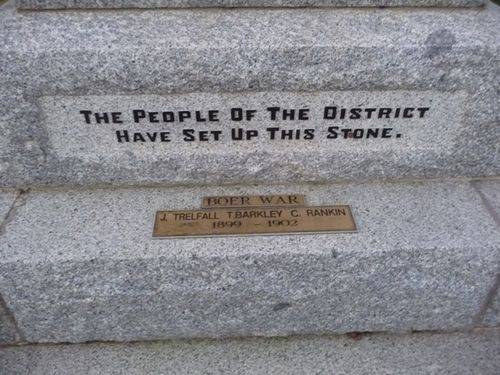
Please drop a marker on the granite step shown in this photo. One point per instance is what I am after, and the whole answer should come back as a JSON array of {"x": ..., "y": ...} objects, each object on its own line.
[
  {"x": 116, "y": 4},
  {"x": 82, "y": 265},
  {"x": 474, "y": 353},
  {"x": 250, "y": 95}
]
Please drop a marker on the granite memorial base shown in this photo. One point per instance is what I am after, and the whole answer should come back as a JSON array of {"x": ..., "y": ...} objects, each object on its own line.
[
  {"x": 117, "y": 4},
  {"x": 82, "y": 265},
  {"x": 468, "y": 353},
  {"x": 146, "y": 151},
  {"x": 247, "y": 95}
]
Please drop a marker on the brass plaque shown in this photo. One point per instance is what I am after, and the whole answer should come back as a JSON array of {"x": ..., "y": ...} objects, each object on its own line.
[
  {"x": 282, "y": 200},
  {"x": 259, "y": 220}
]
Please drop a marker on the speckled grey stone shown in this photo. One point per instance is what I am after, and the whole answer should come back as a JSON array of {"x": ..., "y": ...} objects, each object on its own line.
[
  {"x": 72, "y": 137},
  {"x": 65, "y": 4},
  {"x": 8, "y": 333},
  {"x": 490, "y": 191},
  {"x": 492, "y": 315},
  {"x": 422, "y": 353},
  {"x": 80, "y": 55},
  {"x": 7, "y": 326},
  {"x": 82, "y": 266},
  {"x": 7, "y": 198}
]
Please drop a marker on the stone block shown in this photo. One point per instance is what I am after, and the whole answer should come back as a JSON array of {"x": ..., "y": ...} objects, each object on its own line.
[
  {"x": 100, "y": 4},
  {"x": 410, "y": 94},
  {"x": 82, "y": 265},
  {"x": 423, "y": 353}
]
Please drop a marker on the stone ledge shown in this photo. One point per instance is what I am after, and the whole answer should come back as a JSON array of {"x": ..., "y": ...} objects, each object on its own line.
[
  {"x": 422, "y": 353},
  {"x": 391, "y": 57},
  {"x": 100, "y": 4},
  {"x": 82, "y": 266}
]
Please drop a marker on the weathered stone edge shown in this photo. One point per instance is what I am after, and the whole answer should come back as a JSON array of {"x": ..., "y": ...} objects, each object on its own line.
[
  {"x": 9, "y": 330},
  {"x": 489, "y": 313},
  {"x": 99, "y": 4},
  {"x": 474, "y": 352}
]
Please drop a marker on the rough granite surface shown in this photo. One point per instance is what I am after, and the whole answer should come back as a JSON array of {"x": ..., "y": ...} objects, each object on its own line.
[
  {"x": 490, "y": 190},
  {"x": 77, "y": 54},
  {"x": 492, "y": 316},
  {"x": 82, "y": 265},
  {"x": 8, "y": 333},
  {"x": 7, "y": 326},
  {"x": 65, "y": 4},
  {"x": 7, "y": 198},
  {"x": 491, "y": 193},
  {"x": 471, "y": 353}
]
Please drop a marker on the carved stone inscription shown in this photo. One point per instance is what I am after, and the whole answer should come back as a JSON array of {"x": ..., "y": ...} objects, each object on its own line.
[{"x": 102, "y": 127}]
